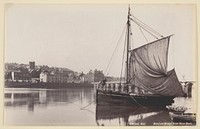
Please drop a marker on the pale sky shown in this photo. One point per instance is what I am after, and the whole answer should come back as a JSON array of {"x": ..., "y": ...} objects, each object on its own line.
[{"x": 83, "y": 37}]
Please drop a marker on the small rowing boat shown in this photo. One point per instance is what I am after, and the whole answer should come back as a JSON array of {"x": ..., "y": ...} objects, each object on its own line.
[
  {"x": 177, "y": 109},
  {"x": 185, "y": 117}
]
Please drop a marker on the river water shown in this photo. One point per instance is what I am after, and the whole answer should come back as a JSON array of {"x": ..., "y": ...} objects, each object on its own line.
[{"x": 77, "y": 107}]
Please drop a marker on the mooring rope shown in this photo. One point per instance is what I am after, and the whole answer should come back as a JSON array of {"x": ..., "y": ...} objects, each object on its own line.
[
  {"x": 87, "y": 105},
  {"x": 137, "y": 102},
  {"x": 72, "y": 102}
]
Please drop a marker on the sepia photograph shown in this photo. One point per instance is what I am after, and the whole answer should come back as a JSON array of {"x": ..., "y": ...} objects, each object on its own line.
[{"x": 100, "y": 65}]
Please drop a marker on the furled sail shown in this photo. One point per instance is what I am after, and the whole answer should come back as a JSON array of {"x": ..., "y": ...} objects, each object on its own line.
[{"x": 148, "y": 69}]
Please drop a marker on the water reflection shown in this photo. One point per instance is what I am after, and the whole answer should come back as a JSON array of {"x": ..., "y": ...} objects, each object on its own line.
[
  {"x": 134, "y": 115},
  {"x": 140, "y": 115},
  {"x": 76, "y": 106},
  {"x": 32, "y": 97}
]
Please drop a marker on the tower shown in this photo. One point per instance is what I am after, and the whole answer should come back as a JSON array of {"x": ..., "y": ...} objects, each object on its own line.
[{"x": 31, "y": 65}]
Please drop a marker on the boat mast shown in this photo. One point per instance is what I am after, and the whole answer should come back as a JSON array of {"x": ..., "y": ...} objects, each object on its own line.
[{"x": 128, "y": 40}]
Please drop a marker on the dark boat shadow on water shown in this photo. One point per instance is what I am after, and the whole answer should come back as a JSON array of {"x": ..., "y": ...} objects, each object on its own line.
[
  {"x": 160, "y": 118},
  {"x": 131, "y": 115}
]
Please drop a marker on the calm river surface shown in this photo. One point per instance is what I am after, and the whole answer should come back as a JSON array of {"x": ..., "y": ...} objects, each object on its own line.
[{"x": 76, "y": 106}]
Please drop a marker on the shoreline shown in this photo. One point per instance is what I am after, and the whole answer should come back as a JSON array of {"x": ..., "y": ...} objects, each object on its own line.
[{"x": 45, "y": 85}]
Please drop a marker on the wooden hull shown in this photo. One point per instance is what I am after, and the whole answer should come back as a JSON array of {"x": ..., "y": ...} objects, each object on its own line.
[{"x": 114, "y": 98}]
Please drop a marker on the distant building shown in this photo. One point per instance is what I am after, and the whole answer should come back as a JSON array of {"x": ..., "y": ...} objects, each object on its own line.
[
  {"x": 187, "y": 88},
  {"x": 17, "y": 73},
  {"x": 81, "y": 77},
  {"x": 31, "y": 73},
  {"x": 115, "y": 79},
  {"x": 95, "y": 76},
  {"x": 75, "y": 78},
  {"x": 45, "y": 76},
  {"x": 35, "y": 75},
  {"x": 18, "y": 76},
  {"x": 31, "y": 65},
  {"x": 7, "y": 75}
]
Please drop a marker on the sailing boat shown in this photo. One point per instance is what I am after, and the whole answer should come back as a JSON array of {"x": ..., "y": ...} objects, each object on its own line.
[{"x": 147, "y": 80}]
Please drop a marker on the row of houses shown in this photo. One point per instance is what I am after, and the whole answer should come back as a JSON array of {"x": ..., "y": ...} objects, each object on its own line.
[
  {"x": 38, "y": 75},
  {"x": 22, "y": 76},
  {"x": 93, "y": 76},
  {"x": 90, "y": 77},
  {"x": 45, "y": 76}
]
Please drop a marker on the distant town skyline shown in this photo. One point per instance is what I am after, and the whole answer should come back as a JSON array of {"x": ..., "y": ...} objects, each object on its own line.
[{"x": 83, "y": 37}]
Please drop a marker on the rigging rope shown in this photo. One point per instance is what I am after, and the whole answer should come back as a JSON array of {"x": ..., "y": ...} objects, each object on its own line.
[
  {"x": 123, "y": 59},
  {"x": 143, "y": 27},
  {"x": 114, "y": 52},
  {"x": 172, "y": 44},
  {"x": 131, "y": 37},
  {"x": 143, "y": 34},
  {"x": 151, "y": 29}
]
